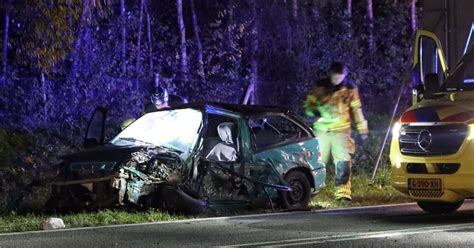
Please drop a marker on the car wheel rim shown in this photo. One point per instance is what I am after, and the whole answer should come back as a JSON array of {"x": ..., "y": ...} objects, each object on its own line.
[{"x": 297, "y": 192}]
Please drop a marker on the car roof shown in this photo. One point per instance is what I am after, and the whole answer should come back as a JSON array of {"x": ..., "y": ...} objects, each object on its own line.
[{"x": 241, "y": 109}]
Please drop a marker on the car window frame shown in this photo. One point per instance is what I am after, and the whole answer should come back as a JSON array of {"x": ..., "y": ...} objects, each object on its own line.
[{"x": 292, "y": 119}]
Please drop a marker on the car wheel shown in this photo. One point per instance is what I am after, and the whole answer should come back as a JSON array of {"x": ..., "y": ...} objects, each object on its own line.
[
  {"x": 299, "y": 196},
  {"x": 439, "y": 207}
]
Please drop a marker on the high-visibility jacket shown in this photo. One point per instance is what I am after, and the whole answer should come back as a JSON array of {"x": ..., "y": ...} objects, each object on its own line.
[{"x": 338, "y": 106}]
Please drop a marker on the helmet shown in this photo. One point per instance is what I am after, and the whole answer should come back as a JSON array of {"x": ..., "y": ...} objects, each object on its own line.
[{"x": 159, "y": 96}]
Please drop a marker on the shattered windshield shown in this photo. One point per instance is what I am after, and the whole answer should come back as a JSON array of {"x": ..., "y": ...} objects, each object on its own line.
[{"x": 175, "y": 129}]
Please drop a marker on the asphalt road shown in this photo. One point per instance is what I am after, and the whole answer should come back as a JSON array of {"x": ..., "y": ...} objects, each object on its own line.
[{"x": 382, "y": 226}]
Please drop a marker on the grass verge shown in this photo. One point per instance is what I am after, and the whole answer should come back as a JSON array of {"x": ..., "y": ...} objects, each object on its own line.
[
  {"x": 32, "y": 222},
  {"x": 363, "y": 195}
]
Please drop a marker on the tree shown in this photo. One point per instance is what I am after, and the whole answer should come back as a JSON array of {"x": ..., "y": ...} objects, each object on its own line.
[
  {"x": 234, "y": 53},
  {"x": 149, "y": 38},
  {"x": 294, "y": 12},
  {"x": 250, "y": 95},
  {"x": 349, "y": 8},
  {"x": 84, "y": 22},
  {"x": 85, "y": 12},
  {"x": 139, "y": 38},
  {"x": 197, "y": 39},
  {"x": 413, "y": 15},
  {"x": 182, "y": 35},
  {"x": 349, "y": 18},
  {"x": 124, "y": 37},
  {"x": 5, "y": 43},
  {"x": 370, "y": 19},
  {"x": 47, "y": 38}
]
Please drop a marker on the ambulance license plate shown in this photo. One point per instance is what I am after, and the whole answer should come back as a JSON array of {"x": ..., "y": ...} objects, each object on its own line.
[{"x": 424, "y": 184}]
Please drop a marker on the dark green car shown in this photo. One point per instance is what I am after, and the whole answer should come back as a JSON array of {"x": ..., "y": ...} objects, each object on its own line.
[{"x": 195, "y": 158}]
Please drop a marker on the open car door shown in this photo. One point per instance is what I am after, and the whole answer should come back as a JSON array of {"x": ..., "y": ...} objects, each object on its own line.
[
  {"x": 95, "y": 129},
  {"x": 429, "y": 66}
]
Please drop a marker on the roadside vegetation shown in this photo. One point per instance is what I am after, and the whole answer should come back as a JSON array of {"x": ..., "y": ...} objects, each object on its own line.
[
  {"x": 363, "y": 192},
  {"x": 32, "y": 222}
]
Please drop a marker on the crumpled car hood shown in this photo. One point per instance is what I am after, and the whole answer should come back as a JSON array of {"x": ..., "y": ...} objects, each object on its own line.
[
  {"x": 105, "y": 153},
  {"x": 117, "y": 154}
]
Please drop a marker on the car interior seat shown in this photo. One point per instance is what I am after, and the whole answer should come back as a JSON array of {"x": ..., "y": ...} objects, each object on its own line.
[{"x": 226, "y": 133}]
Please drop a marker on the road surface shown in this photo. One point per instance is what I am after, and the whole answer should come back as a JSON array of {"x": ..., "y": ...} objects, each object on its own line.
[{"x": 402, "y": 225}]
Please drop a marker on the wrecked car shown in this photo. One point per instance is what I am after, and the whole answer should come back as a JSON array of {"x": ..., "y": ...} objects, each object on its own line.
[{"x": 195, "y": 158}]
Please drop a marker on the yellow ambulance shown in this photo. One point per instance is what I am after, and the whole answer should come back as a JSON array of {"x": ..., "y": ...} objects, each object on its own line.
[{"x": 432, "y": 148}]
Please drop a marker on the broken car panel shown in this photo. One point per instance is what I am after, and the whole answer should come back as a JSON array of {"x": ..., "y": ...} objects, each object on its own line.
[{"x": 195, "y": 158}]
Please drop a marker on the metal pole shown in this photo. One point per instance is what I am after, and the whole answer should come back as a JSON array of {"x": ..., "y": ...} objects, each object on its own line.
[
  {"x": 446, "y": 31},
  {"x": 372, "y": 180}
]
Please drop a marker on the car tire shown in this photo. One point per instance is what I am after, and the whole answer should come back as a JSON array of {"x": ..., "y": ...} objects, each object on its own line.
[
  {"x": 300, "y": 194},
  {"x": 439, "y": 207}
]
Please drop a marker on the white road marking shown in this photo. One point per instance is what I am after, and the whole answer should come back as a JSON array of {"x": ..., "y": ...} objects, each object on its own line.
[
  {"x": 215, "y": 218},
  {"x": 355, "y": 236}
]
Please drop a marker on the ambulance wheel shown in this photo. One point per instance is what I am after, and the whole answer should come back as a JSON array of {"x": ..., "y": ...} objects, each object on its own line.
[{"x": 433, "y": 207}]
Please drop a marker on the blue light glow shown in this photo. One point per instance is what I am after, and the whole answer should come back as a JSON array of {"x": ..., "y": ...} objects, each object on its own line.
[
  {"x": 468, "y": 41},
  {"x": 469, "y": 81}
]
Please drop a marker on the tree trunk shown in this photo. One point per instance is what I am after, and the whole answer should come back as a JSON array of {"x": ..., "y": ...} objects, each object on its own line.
[
  {"x": 123, "y": 34},
  {"x": 182, "y": 35},
  {"x": 252, "y": 97},
  {"x": 149, "y": 38},
  {"x": 294, "y": 9},
  {"x": 45, "y": 99},
  {"x": 231, "y": 44},
  {"x": 69, "y": 19},
  {"x": 349, "y": 8},
  {"x": 201, "y": 72},
  {"x": 139, "y": 39},
  {"x": 349, "y": 18},
  {"x": 5, "y": 44},
  {"x": 370, "y": 17},
  {"x": 230, "y": 20},
  {"x": 83, "y": 23},
  {"x": 413, "y": 15}
]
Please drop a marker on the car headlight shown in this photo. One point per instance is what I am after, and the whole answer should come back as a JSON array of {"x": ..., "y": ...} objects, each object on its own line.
[
  {"x": 470, "y": 135},
  {"x": 396, "y": 130}
]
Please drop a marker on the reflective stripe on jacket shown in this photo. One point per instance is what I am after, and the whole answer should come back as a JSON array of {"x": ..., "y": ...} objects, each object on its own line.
[{"x": 335, "y": 104}]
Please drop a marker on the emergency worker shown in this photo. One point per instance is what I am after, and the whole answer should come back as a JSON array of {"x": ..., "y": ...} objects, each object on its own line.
[
  {"x": 161, "y": 99},
  {"x": 335, "y": 101}
]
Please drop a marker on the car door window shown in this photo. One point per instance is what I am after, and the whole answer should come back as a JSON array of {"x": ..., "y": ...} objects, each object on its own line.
[
  {"x": 271, "y": 130},
  {"x": 429, "y": 59}
]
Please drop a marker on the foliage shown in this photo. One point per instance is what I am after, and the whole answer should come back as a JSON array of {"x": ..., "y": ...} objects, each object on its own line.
[
  {"x": 46, "y": 37},
  {"x": 292, "y": 54},
  {"x": 9, "y": 144}
]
